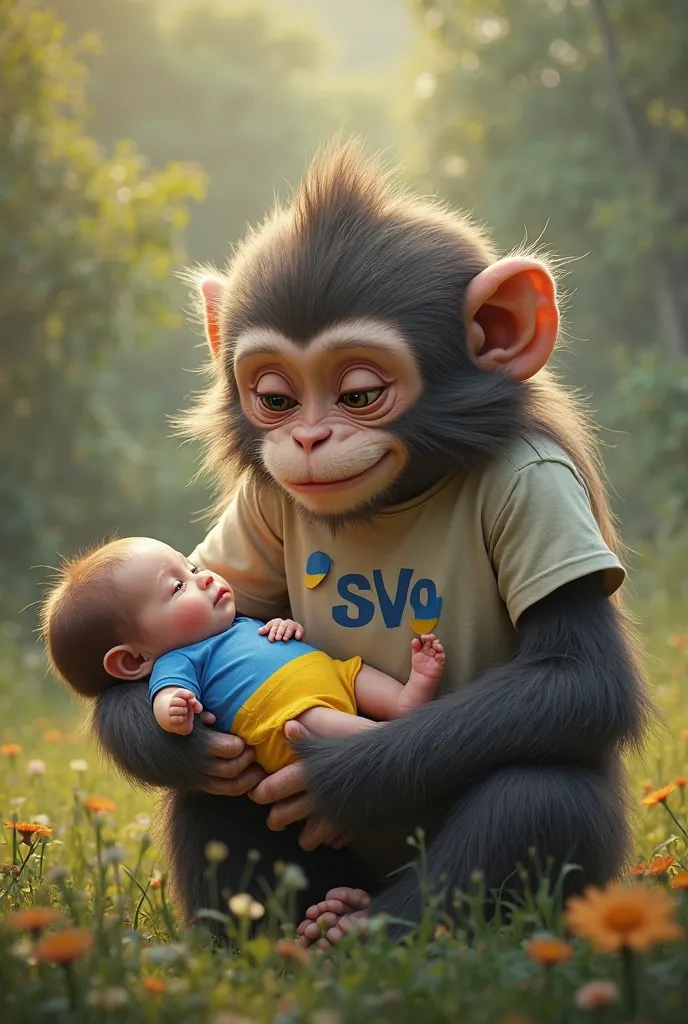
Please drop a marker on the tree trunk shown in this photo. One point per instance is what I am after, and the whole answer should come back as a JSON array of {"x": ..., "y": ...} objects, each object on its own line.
[{"x": 667, "y": 303}]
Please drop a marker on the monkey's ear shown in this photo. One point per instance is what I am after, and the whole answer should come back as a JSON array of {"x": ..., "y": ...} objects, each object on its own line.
[
  {"x": 123, "y": 663},
  {"x": 211, "y": 290},
  {"x": 511, "y": 317}
]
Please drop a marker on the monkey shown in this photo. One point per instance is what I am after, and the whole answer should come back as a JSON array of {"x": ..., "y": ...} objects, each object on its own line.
[{"x": 395, "y": 452}]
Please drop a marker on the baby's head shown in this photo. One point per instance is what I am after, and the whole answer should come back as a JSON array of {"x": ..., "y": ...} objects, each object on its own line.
[{"x": 121, "y": 606}]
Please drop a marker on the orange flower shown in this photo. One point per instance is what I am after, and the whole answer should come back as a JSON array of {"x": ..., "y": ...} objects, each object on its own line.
[
  {"x": 660, "y": 865},
  {"x": 515, "y": 1018},
  {"x": 155, "y": 883},
  {"x": 63, "y": 947},
  {"x": 617, "y": 917},
  {"x": 549, "y": 952},
  {"x": 638, "y": 870},
  {"x": 681, "y": 781},
  {"x": 647, "y": 786},
  {"x": 11, "y": 749},
  {"x": 52, "y": 736},
  {"x": 99, "y": 804},
  {"x": 680, "y": 880},
  {"x": 684, "y": 734},
  {"x": 679, "y": 640},
  {"x": 155, "y": 985},
  {"x": 659, "y": 796},
  {"x": 292, "y": 951},
  {"x": 33, "y": 919},
  {"x": 28, "y": 829}
]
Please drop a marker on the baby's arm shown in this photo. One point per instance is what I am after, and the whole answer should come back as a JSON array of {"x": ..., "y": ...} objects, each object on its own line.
[{"x": 174, "y": 709}]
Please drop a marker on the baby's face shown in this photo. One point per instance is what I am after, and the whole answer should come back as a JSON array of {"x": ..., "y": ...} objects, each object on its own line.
[{"x": 177, "y": 604}]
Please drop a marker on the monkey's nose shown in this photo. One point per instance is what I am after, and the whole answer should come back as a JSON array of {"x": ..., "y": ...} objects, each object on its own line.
[{"x": 309, "y": 438}]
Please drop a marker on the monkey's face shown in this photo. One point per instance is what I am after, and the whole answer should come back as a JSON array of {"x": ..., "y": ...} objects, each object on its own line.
[{"x": 324, "y": 410}]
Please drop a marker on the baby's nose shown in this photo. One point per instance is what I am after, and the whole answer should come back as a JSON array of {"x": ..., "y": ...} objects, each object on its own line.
[{"x": 205, "y": 579}]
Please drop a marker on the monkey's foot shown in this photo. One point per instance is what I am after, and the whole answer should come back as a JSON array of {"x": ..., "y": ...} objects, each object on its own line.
[
  {"x": 427, "y": 668},
  {"x": 328, "y": 921}
]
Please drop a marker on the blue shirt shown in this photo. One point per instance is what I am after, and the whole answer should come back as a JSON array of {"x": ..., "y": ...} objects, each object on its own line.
[{"x": 225, "y": 670}]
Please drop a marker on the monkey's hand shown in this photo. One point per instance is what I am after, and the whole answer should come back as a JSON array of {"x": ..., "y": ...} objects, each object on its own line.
[{"x": 282, "y": 629}]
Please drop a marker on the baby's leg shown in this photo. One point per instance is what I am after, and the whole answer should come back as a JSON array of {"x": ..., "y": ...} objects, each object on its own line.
[
  {"x": 383, "y": 697},
  {"x": 328, "y": 722}
]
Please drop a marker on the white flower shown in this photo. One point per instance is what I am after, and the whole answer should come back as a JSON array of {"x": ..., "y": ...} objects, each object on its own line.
[
  {"x": 244, "y": 905},
  {"x": 143, "y": 820},
  {"x": 41, "y": 819},
  {"x": 36, "y": 767},
  {"x": 596, "y": 995},
  {"x": 78, "y": 765},
  {"x": 293, "y": 878},
  {"x": 216, "y": 852}
]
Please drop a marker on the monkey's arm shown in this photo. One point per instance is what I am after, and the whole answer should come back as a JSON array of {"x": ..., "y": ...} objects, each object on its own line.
[
  {"x": 128, "y": 734},
  {"x": 572, "y": 692}
]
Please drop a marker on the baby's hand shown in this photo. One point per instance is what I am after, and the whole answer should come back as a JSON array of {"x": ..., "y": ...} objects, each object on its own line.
[
  {"x": 181, "y": 708},
  {"x": 282, "y": 629}
]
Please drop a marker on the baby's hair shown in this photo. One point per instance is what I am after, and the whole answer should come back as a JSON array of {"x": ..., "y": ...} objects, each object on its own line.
[{"x": 85, "y": 614}]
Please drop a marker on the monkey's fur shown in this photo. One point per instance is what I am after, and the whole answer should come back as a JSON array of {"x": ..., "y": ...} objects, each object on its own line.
[{"x": 526, "y": 756}]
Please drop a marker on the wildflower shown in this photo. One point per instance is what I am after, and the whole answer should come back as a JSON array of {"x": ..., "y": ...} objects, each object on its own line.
[
  {"x": 679, "y": 640},
  {"x": 596, "y": 995},
  {"x": 684, "y": 734},
  {"x": 660, "y": 865},
  {"x": 617, "y": 917},
  {"x": 36, "y": 767},
  {"x": 647, "y": 786},
  {"x": 155, "y": 883},
  {"x": 42, "y": 819},
  {"x": 549, "y": 952},
  {"x": 293, "y": 878},
  {"x": 515, "y": 1018},
  {"x": 680, "y": 880},
  {"x": 154, "y": 985},
  {"x": 292, "y": 951},
  {"x": 34, "y": 919},
  {"x": 681, "y": 781},
  {"x": 216, "y": 852},
  {"x": 29, "y": 829},
  {"x": 243, "y": 905},
  {"x": 114, "y": 855},
  {"x": 63, "y": 947},
  {"x": 659, "y": 796},
  {"x": 99, "y": 804},
  {"x": 52, "y": 736},
  {"x": 638, "y": 871},
  {"x": 78, "y": 765},
  {"x": 11, "y": 749}
]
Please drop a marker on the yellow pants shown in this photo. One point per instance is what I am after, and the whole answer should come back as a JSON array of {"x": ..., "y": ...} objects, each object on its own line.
[{"x": 314, "y": 680}]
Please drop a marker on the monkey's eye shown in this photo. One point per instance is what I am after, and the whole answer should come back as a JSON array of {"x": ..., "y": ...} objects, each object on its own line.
[
  {"x": 360, "y": 399},
  {"x": 277, "y": 403}
]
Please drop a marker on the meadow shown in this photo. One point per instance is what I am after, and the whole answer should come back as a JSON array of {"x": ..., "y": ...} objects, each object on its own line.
[{"x": 87, "y": 929}]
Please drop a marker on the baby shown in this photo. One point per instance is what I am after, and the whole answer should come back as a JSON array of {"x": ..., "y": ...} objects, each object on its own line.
[{"x": 136, "y": 608}]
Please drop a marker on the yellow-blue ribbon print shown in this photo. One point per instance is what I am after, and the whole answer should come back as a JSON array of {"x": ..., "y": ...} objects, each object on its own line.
[
  {"x": 317, "y": 567},
  {"x": 426, "y": 613}
]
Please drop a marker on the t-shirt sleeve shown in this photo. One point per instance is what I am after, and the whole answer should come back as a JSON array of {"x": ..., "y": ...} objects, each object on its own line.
[
  {"x": 246, "y": 548},
  {"x": 173, "y": 669},
  {"x": 544, "y": 534}
]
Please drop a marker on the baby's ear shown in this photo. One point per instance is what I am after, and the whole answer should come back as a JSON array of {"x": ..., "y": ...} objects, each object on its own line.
[{"x": 123, "y": 663}]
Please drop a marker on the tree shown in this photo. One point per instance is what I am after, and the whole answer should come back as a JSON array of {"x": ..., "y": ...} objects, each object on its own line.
[
  {"x": 87, "y": 247},
  {"x": 568, "y": 117}
]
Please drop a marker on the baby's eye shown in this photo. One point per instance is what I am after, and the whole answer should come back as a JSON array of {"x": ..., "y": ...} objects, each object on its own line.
[
  {"x": 194, "y": 568},
  {"x": 178, "y": 585}
]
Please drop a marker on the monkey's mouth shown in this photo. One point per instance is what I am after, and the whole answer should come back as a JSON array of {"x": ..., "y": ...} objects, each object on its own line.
[{"x": 316, "y": 487}]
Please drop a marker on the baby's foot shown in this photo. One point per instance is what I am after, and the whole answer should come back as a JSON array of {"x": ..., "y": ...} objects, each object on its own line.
[
  {"x": 427, "y": 668},
  {"x": 328, "y": 921}
]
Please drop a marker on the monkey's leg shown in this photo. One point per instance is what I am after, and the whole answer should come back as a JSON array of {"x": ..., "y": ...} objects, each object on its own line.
[
  {"x": 569, "y": 814},
  {"x": 191, "y": 820}
]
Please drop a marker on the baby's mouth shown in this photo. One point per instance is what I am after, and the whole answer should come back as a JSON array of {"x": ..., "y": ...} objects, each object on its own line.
[{"x": 222, "y": 592}]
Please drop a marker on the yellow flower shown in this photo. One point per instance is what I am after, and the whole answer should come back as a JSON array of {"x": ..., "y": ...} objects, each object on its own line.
[
  {"x": 680, "y": 880},
  {"x": 11, "y": 749},
  {"x": 99, "y": 804},
  {"x": 33, "y": 919},
  {"x": 243, "y": 905},
  {"x": 28, "y": 829},
  {"x": 596, "y": 995},
  {"x": 549, "y": 952},
  {"x": 632, "y": 917},
  {"x": 63, "y": 947},
  {"x": 659, "y": 796}
]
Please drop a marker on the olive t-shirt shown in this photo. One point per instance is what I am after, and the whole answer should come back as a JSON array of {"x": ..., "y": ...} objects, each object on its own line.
[{"x": 464, "y": 560}]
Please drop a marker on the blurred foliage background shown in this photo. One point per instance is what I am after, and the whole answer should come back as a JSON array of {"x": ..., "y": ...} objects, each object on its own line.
[{"x": 140, "y": 135}]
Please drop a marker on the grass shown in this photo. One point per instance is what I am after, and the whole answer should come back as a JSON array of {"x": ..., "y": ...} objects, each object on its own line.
[{"x": 124, "y": 957}]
